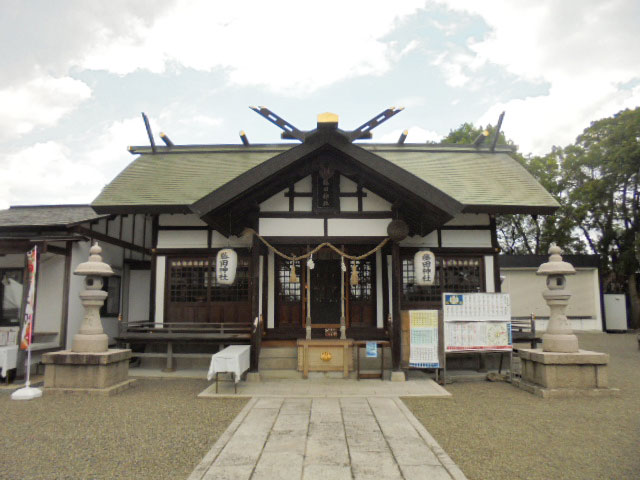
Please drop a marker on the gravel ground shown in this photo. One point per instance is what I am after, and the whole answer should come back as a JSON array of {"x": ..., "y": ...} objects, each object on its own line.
[
  {"x": 495, "y": 431},
  {"x": 156, "y": 430}
]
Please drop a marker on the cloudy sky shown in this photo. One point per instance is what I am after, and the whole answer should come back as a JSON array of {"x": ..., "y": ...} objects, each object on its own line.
[{"x": 77, "y": 73}]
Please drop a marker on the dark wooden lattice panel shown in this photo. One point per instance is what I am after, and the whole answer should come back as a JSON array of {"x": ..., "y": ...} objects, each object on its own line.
[
  {"x": 288, "y": 291},
  {"x": 453, "y": 274},
  {"x": 362, "y": 291},
  {"x": 188, "y": 280}
]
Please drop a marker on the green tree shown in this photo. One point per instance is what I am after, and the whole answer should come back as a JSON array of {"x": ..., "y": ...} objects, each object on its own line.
[
  {"x": 529, "y": 234},
  {"x": 601, "y": 172}
]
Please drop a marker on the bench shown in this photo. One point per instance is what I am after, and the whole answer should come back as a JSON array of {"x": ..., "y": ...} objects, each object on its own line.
[
  {"x": 182, "y": 332},
  {"x": 523, "y": 329}
]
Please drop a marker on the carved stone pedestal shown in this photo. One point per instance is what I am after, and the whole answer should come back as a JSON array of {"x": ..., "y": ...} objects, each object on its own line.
[
  {"x": 101, "y": 373},
  {"x": 556, "y": 374}
]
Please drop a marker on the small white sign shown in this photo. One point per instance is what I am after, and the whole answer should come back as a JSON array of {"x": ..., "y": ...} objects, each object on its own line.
[
  {"x": 226, "y": 265},
  {"x": 424, "y": 265}
]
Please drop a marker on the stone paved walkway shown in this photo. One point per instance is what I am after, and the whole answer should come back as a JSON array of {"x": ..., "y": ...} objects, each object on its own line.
[{"x": 326, "y": 438}]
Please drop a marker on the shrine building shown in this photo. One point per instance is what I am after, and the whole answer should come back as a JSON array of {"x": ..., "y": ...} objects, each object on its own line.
[{"x": 165, "y": 217}]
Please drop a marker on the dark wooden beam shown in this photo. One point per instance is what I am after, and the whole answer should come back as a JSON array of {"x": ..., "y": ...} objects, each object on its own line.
[
  {"x": 149, "y": 134},
  {"x": 111, "y": 240},
  {"x": 154, "y": 268},
  {"x": 64, "y": 315},
  {"x": 396, "y": 333}
]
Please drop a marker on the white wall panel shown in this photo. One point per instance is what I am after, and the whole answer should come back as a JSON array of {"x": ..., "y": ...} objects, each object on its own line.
[
  {"x": 348, "y": 204},
  {"x": 220, "y": 241},
  {"x": 349, "y": 227},
  {"x": 302, "y": 204},
  {"x": 304, "y": 185},
  {"x": 466, "y": 238},
  {"x": 374, "y": 203},
  {"x": 489, "y": 277},
  {"x": 49, "y": 300},
  {"x": 161, "y": 265},
  {"x": 347, "y": 185},
  {"x": 182, "y": 239},
  {"x": 277, "y": 203},
  {"x": 179, "y": 220},
  {"x": 526, "y": 290},
  {"x": 291, "y": 227},
  {"x": 430, "y": 240}
]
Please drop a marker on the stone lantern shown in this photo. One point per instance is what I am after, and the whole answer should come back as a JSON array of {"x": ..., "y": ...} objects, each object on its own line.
[
  {"x": 560, "y": 368},
  {"x": 90, "y": 366},
  {"x": 559, "y": 336},
  {"x": 91, "y": 337}
]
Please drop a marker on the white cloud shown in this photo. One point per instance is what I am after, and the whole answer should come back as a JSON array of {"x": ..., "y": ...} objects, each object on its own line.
[
  {"x": 301, "y": 48},
  {"x": 581, "y": 49},
  {"x": 52, "y": 173},
  {"x": 39, "y": 103}
]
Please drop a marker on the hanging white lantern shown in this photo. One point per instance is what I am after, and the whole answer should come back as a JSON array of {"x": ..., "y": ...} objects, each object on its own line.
[
  {"x": 424, "y": 264},
  {"x": 226, "y": 266}
]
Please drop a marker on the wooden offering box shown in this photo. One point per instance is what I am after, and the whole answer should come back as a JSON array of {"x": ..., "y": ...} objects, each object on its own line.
[{"x": 325, "y": 355}]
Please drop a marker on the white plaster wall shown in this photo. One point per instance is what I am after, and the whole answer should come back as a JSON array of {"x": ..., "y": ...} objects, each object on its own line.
[
  {"x": 347, "y": 185},
  {"x": 277, "y": 203},
  {"x": 466, "y": 238},
  {"x": 220, "y": 241},
  {"x": 374, "y": 203},
  {"x": 489, "y": 277},
  {"x": 182, "y": 239},
  {"x": 348, "y": 204},
  {"x": 49, "y": 288},
  {"x": 345, "y": 227},
  {"x": 139, "y": 287},
  {"x": 12, "y": 260},
  {"x": 161, "y": 263},
  {"x": 302, "y": 204},
  {"x": 304, "y": 185},
  {"x": 526, "y": 290},
  {"x": 467, "y": 219},
  {"x": 180, "y": 220},
  {"x": 294, "y": 227},
  {"x": 430, "y": 240},
  {"x": 79, "y": 254}
]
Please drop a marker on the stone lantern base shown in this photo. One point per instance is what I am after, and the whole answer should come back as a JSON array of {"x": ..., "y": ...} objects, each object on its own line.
[
  {"x": 554, "y": 374},
  {"x": 102, "y": 373}
]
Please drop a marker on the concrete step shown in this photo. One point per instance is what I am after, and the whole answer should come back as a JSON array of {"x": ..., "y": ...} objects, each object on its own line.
[
  {"x": 290, "y": 374},
  {"x": 278, "y": 352},
  {"x": 279, "y": 363}
]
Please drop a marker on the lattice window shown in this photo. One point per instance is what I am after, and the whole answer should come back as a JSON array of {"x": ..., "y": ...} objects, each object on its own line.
[
  {"x": 288, "y": 291},
  {"x": 239, "y": 291},
  {"x": 453, "y": 274},
  {"x": 362, "y": 291},
  {"x": 189, "y": 279}
]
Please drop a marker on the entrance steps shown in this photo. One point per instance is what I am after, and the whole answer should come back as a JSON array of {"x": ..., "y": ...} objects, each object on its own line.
[{"x": 282, "y": 363}]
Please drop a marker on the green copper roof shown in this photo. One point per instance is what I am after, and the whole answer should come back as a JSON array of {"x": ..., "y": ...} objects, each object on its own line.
[
  {"x": 183, "y": 175},
  {"x": 472, "y": 178}
]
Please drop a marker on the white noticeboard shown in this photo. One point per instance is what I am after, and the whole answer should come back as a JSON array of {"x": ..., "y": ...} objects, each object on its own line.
[
  {"x": 477, "y": 322},
  {"x": 423, "y": 329}
]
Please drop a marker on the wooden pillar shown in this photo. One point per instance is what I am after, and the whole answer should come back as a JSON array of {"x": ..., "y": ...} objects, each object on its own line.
[
  {"x": 64, "y": 320},
  {"x": 255, "y": 304},
  {"x": 152, "y": 273},
  {"x": 396, "y": 337}
]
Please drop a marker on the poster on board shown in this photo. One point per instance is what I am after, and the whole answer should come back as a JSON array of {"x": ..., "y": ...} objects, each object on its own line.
[
  {"x": 477, "y": 322},
  {"x": 423, "y": 339},
  {"x": 476, "y": 307}
]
